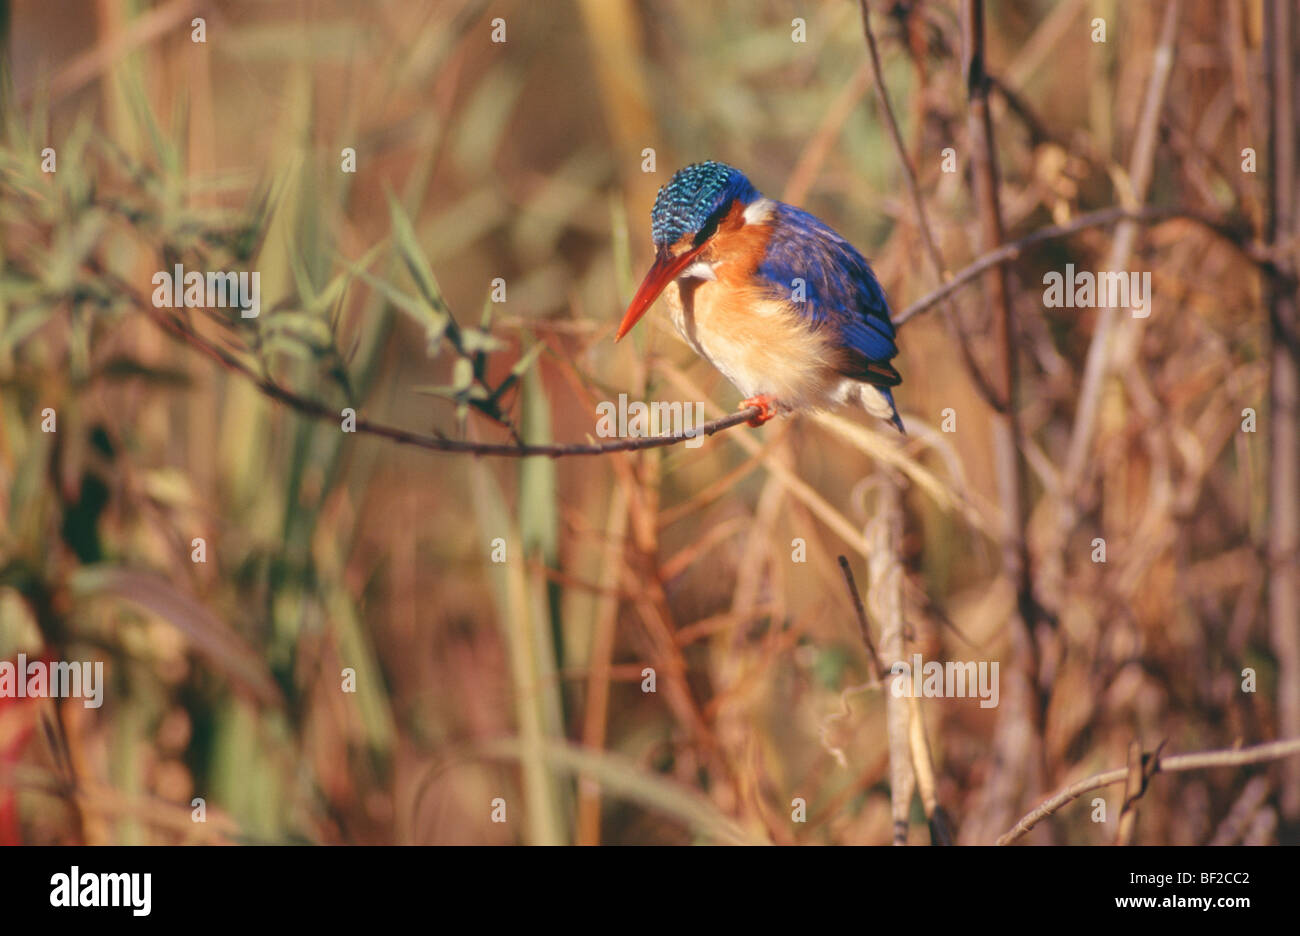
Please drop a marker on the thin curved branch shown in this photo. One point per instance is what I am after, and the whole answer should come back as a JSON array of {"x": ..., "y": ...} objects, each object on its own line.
[
  {"x": 877, "y": 670},
  {"x": 1093, "y": 219},
  {"x": 434, "y": 443},
  {"x": 1273, "y": 750}
]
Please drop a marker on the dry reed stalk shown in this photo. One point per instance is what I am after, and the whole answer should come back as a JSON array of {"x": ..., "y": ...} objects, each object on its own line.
[
  {"x": 1284, "y": 402},
  {"x": 885, "y": 597}
]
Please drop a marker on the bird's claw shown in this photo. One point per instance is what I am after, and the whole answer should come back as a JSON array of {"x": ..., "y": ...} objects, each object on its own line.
[{"x": 766, "y": 406}]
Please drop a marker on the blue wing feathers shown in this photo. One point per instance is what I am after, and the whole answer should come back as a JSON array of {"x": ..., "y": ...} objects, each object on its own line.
[{"x": 840, "y": 291}]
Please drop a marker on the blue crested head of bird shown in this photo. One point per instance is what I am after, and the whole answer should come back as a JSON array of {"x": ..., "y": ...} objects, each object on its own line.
[{"x": 786, "y": 308}]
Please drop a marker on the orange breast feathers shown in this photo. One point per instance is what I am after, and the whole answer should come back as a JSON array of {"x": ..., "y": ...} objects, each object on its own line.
[{"x": 761, "y": 343}]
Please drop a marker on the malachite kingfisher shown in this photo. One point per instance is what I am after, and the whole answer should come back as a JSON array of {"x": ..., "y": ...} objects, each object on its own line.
[{"x": 773, "y": 298}]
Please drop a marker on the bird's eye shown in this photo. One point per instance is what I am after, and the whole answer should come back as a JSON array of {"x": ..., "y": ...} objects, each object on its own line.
[{"x": 710, "y": 227}]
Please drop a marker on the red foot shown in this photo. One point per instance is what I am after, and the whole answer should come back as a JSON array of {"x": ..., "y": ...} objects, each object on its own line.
[{"x": 764, "y": 403}]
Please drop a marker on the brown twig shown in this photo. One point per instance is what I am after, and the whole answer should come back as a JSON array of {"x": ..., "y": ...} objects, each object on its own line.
[
  {"x": 1134, "y": 786},
  {"x": 876, "y": 669},
  {"x": 922, "y": 221},
  {"x": 1141, "y": 768},
  {"x": 88, "y": 66},
  {"x": 1284, "y": 402},
  {"x": 1273, "y": 750},
  {"x": 434, "y": 443},
  {"x": 1093, "y": 219},
  {"x": 1234, "y": 824},
  {"x": 1019, "y": 733},
  {"x": 1015, "y": 559},
  {"x": 819, "y": 144}
]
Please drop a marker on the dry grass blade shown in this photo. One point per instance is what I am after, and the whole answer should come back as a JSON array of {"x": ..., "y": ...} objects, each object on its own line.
[
  {"x": 619, "y": 776},
  {"x": 213, "y": 640}
]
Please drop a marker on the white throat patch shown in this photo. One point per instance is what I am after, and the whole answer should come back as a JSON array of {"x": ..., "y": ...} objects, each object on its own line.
[{"x": 698, "y": 270}]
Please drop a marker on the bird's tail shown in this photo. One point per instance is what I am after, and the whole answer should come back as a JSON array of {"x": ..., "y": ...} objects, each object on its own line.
[{"x": 879, "y": 401}]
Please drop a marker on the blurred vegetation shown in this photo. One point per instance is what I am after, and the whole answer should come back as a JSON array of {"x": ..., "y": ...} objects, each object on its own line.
[{"x": 522, "y": 679}]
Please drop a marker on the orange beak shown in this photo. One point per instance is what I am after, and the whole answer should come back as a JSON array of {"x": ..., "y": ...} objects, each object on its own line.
[{"x": 663, "y": 272}]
